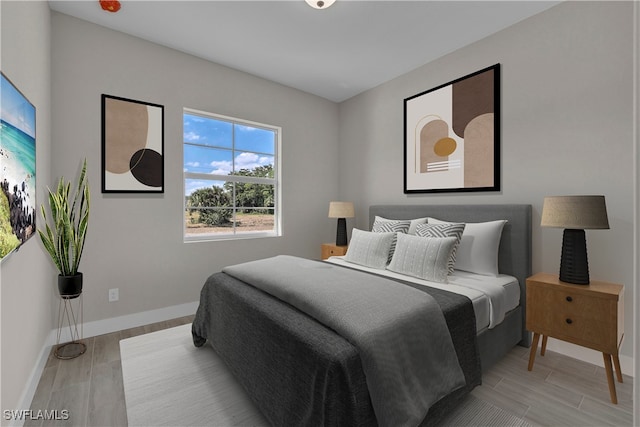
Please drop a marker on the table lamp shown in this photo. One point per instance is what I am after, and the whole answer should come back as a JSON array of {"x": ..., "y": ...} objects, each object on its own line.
[
  {"x": 341, "y": 210},
  {"x": 574, "y": 214}
]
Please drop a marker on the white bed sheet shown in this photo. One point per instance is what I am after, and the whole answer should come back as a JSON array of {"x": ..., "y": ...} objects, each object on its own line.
[{"x": 492, "y": 297}]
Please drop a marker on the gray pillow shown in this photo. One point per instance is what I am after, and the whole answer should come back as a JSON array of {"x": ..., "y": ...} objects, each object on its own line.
[
  {"x": 370, "y": 249},
  {"x": 423, "y": 257}
]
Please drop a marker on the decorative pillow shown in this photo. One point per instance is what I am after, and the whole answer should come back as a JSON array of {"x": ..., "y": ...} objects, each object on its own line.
[
  {"x": 413, "y": 223},
  {"x": 478, "y": 249},
  {"x": 422, "y": 257},
  {"x": 443, "y": 230},
  {"x": 383, "y": 225},
  {"x": 370, "y": 249}
]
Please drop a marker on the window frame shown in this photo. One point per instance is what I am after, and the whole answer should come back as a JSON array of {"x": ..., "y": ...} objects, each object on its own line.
[{"x": 275, "y": 181}]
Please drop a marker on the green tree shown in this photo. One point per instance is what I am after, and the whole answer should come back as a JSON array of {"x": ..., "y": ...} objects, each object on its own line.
[
  {"x": 251, "y": 195},
  {"x": 206, "y": 198},
  {"x": 8, "y": 240}
]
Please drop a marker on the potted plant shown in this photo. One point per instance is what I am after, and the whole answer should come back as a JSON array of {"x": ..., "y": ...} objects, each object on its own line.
[{"x": 65, "y": 231}]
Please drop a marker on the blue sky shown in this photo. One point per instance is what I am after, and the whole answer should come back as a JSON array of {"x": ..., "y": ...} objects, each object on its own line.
[
  {"x": 213, "y": 153},
  {"x": 16, "y": 110}
]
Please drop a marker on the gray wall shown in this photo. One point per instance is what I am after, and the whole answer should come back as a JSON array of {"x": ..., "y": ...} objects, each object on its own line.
[
  {"x": 135, "y": 241},
  {"x": 567, "y": 128},
  {"x": 27, "y": 276}
]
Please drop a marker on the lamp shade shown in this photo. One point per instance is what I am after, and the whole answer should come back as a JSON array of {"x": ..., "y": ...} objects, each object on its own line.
[
  {"x": 341, "y": 210},
  {"x": 575, "y": 212}
]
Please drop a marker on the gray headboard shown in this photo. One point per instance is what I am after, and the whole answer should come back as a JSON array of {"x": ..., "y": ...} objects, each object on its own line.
[{"x": 514, "y": 257}]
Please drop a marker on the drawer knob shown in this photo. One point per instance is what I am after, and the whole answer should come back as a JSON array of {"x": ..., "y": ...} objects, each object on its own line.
[
  {"x": 569, "y": 299},
  {"x": 569, "y": 321}
]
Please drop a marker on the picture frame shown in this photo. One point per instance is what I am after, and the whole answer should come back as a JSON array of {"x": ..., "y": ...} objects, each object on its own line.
[
  {"x": 132, "y": 146},
  {"x": 18, "y": 211},
  {"x": 452, "y": 136}
]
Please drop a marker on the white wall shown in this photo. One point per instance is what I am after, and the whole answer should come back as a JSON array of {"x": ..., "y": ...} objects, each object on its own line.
[
  {"x": 566, "y": 102},
  {"x": 566, "y": 128},
  {"x": 135, "y": 241},
  {"x": 28, "y": 277},
  {"x": 636, "y": 304}
]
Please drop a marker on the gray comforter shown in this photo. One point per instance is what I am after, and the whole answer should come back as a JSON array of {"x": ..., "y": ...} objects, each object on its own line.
[
  {"x": 400, "y": 332},
  {"x": 298, "y": 371}
]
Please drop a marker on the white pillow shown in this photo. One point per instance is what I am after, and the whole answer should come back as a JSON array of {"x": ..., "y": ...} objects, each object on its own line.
[
  {"x": 370, "y": 249},
  {"x": 413, "y": 223},
  {"x": 443, "y": 230},
  {"x": 422, "y": 257},
  {"x": 478, "y": 249}
]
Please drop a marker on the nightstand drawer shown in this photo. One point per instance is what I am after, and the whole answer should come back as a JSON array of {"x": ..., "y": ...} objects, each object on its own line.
[
  {"x": 576, "y": 304},
  {"x": 336, "y": 252},
  {"x": 329, "y": 250},
  {"x": 579, "y": 329}
]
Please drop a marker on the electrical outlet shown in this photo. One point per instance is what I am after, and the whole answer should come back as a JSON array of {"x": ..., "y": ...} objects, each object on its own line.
[{"x": 114, "y": 295}]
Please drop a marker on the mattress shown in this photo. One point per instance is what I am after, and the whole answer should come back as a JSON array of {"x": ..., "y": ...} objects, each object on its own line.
[{"x": 492, "y": 297}]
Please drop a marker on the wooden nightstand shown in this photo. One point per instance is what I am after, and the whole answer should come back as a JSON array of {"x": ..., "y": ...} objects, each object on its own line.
[
  {"x": 588, "y": 315},
  {"x": 331, "y": 249}
]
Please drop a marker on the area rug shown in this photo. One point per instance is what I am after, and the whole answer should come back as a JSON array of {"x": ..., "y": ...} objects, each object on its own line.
[{"x": 170, "y": 382}]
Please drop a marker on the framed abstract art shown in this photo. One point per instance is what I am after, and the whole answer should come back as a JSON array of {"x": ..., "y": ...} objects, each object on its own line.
[
  {"x": 132, "y": 146},
  {"x": 452, "y": 136}
]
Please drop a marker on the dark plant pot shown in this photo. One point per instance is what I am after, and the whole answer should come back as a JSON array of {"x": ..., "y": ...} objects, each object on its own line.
[{"x": 70, "y": 286}]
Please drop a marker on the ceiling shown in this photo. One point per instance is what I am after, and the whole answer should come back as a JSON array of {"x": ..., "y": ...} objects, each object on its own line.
[{"x": 334, "y": 53}]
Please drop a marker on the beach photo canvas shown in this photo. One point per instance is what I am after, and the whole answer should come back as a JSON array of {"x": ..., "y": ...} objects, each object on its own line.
[{"x": 17, "y": 168}]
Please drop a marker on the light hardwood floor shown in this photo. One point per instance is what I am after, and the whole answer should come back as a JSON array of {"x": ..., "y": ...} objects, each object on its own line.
[{"x": 560, "y": 391}]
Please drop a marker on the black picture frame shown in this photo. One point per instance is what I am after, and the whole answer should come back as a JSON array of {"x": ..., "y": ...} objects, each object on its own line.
[
  {"x": 452, "y": 136},
  {"x": 132, "y": 146}
]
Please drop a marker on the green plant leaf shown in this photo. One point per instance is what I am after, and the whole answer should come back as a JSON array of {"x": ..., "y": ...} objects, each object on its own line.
[{"x": 65, "y": 230}]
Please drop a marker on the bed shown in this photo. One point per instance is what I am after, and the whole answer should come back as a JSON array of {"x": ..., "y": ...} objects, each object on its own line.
[
  {"x": 514, "y": 259},
  {"x": 299, "y": 371}
]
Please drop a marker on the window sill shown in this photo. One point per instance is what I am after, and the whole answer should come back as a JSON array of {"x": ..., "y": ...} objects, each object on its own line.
[{"x": 222, "y": 237}]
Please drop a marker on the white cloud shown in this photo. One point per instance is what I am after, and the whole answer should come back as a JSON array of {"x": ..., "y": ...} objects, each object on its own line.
[
  {"x": 251, "y": 160},
  {"x": 221, "y": 167},
  {"x": 193, "y": 185},
  {"x": 242, "y": 161},
  {"x": 191, "y": 136}
]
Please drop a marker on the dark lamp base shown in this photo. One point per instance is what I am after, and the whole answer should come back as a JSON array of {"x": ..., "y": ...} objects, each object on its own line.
[
  {"x": 574, "y": 266},
  {"x": 341, "y": 234}
]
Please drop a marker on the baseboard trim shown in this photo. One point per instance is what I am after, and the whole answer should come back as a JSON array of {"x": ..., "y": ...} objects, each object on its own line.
[
  {"x": 114, "y": 324},
  {"x": 590, "y": 356},
  {"x": 30, "y": 388},
  {"x": 95, "y": 328}
]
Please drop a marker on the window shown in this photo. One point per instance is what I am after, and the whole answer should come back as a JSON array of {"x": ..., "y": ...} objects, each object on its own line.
[{"x": 231, "y": 177}]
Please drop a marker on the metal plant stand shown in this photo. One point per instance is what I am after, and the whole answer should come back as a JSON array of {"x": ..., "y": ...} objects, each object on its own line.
[{"x": 70, "y": 313}]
